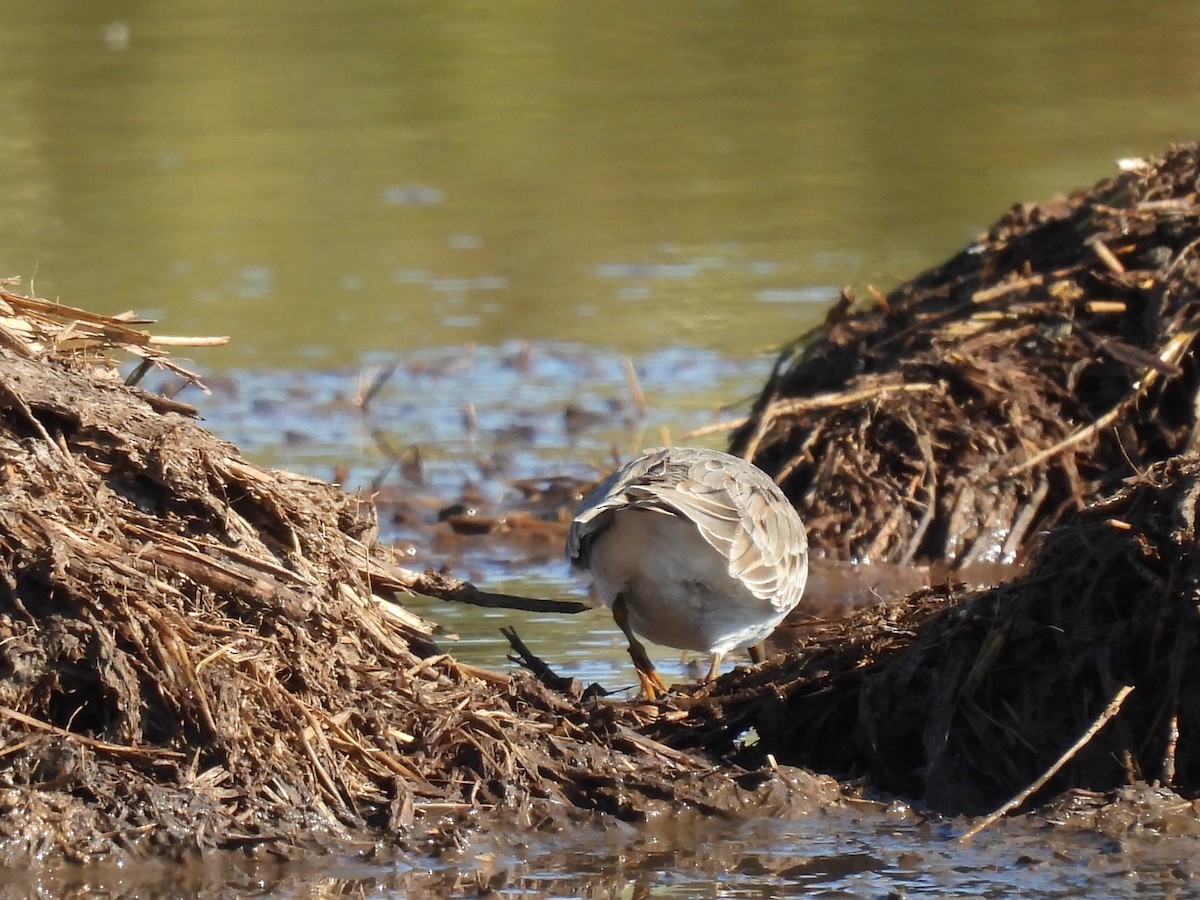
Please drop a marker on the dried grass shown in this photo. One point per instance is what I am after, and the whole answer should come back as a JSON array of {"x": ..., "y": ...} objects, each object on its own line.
[
  {"x": 197, "y": 653},
  {"x": 985, "y": 400}
]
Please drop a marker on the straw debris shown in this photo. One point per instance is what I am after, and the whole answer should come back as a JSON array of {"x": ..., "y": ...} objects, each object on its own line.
[
  {"x": 966, "y": 698},
  {"x": 198, "y": 654},
  {"x": 985, "y": 400},
  {"x": 1033, "y": 399}
]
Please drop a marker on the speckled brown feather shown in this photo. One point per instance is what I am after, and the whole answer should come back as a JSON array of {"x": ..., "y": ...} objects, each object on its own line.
[{"x": 735, "y": 506}]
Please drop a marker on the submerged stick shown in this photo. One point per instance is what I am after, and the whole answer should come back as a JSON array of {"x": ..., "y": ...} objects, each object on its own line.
[
  {"x": 540, "y": 668},
  {"x": 987, "y": 821}
]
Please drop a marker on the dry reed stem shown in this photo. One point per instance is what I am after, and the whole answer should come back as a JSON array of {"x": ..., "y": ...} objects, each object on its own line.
[
  {"x": 34, "y": 327},
  {"x": 1171, "y": 354},
  {"x": 635, "y": 387},
  {"x": 149, "y": 754},
  {"x": 1114, "y": 706}
]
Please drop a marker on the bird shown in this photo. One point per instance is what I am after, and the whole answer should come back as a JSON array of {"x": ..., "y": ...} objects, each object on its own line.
[{"x": 694, "y": 549}]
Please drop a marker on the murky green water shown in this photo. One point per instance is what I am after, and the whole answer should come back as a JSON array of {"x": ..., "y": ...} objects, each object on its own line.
[
  {"x": 341, "y": 187},
  {"x": 322, "y": 181}
]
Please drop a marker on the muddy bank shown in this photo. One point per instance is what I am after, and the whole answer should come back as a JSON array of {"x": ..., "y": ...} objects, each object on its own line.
[
  {"x": 1033, "y": 399},
  {"x": 964, "y": 698},
  {"x": 199, "y": 654}
]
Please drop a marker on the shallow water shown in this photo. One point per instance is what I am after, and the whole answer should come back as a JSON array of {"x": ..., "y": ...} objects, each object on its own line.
[
  {"x": 517, "y": 430},
  {"x": 872, "y": 852},
  {"x": 507, "y": 202}
]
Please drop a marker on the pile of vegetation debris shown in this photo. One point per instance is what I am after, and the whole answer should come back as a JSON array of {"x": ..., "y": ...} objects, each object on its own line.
[
  {"x": 1034, "y": 398},
  {"x": 197, "y": 653},
  {"x": 964, "y": 698},
  {"x": 980, "y": 403}
]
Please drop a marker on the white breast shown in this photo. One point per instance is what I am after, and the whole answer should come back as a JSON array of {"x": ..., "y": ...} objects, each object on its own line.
[
  {"x": 677, "y": 586},
  {"x": 704, "y": 548}
]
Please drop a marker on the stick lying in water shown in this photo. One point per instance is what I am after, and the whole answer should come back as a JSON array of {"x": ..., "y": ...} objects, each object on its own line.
[
  {"x": 540, "y": 668},
  {"x": 987, "y": 821},
  {"x": 447, "y": 587}
]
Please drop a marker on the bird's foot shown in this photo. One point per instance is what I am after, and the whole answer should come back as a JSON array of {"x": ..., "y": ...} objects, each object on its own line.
[
  {"x": 653, "y": 686},
  {"x": 714, "y": 669}
]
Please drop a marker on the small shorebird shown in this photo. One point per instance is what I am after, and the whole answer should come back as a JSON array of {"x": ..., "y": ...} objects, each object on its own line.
[{"x": 693, "y": 549}]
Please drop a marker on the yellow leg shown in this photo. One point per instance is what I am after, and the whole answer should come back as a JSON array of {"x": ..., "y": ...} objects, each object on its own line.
[
  {"x": 715, "y": 669},
  {"x": 652, "y": 684}
]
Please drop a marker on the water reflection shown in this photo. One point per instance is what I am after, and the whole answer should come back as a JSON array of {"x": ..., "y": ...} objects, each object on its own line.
[
  {"x": 870, "y": 852},
  {"x": 631, "y": 176}
]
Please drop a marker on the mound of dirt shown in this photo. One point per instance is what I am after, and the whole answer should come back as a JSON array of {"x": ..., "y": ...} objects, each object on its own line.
[
  {"x": 978, "y": 404},
  {"x": 965, "y": 698},
  {"x": 1000, "y": 686}
]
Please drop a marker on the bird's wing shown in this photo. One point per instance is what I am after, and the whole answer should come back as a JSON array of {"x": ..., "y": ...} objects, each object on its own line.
[
  {"x": 736, "y": 507},
  {"x": 744, "y": 515},
  {"x": 607, "y": 497}
]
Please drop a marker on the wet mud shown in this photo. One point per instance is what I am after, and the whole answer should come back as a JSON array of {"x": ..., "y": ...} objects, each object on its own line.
[{"x": 872, "y": 849}]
